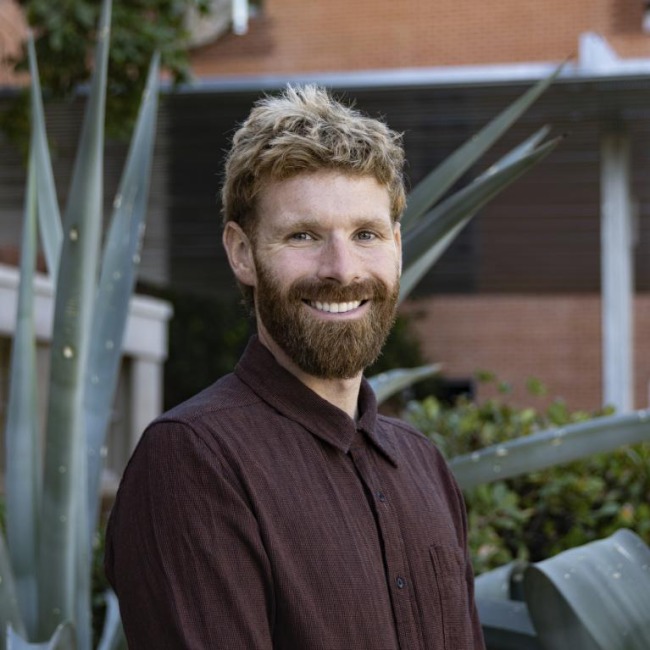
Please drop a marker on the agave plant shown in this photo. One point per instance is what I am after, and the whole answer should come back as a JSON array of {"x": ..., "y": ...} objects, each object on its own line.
[
  {"x": 592, "y": 597},
  {"x": 433, "y": 220},
  {"x": 52, "y": 494},
  {"x": 551, "y": 447}
]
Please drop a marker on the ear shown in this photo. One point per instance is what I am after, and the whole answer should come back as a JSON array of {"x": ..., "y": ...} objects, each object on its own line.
[
  {"x": 240, "y": 253},
  {"x": 397, "y": 234}
]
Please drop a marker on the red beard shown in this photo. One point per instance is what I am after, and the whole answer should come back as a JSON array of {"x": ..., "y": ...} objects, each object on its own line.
[{"x": 329, "y": 350}]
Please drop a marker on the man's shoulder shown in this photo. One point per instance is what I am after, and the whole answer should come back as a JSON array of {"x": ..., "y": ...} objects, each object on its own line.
[
  {"x": 225, "y": 396},
  {"x": 409, "y": 441},
  {"x": 421, "y": 455},
  {"x": 403, "y": 430}
]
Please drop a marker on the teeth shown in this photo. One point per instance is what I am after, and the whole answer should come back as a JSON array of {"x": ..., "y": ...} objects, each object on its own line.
[{"x": 336, "y": 307}]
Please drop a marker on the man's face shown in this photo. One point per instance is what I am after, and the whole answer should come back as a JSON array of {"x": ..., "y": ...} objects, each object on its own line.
[{"x": 327, "y": 264}]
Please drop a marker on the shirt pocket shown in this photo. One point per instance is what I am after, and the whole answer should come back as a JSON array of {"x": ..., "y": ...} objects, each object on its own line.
[{"x": 451, "y": 594}]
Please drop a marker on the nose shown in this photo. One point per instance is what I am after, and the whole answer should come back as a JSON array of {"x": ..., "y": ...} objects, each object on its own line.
[{"x": 339, "y": 262}]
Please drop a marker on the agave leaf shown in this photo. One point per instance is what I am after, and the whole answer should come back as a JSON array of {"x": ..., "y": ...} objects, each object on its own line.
[
  {"x": 528, "y": 145},
  {"x": 437, "y": 182},
  {"x": 467, "y": 201},
  {"x": 64, "y": 573},
  {"x": 593, "y": 597},
  {"x": 9, "y": 608},
  {"x": 550, "y": 447},
  {"x": 23, "y": 467},
  {"x": 48, "y": 207},
  {"x": 62, "y": 639},
  {"x": 506, "y": 625},
  {"x": 502, "y": 583},
  {"x": 113, "y": 633},
  {"x": 116, "y": 286},
  {"x": 388, "y": 383},
  {"x": 416, "y": 270}
]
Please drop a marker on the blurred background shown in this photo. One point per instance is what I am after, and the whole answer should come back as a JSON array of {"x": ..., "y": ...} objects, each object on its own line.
[{"x": 550, "y": 281}]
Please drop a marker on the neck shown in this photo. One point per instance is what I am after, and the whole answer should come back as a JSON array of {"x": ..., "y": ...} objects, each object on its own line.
[{"x": 343, "y": 393}]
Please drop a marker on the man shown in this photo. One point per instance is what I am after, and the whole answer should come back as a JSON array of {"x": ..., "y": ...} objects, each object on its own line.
[{"x": 277, "y": 510}]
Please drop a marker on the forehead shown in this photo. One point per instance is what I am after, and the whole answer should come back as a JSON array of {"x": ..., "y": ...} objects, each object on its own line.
[{"x": 324, "y": 196}]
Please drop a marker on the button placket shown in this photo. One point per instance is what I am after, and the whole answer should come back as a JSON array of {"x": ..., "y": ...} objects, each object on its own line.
[{"x": 394, "y": 557}]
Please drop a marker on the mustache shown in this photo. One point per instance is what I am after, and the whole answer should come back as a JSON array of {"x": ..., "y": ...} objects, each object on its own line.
[{"x": 332, "y": 291}]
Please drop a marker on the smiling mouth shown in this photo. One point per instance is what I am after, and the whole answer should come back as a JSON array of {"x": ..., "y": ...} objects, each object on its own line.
[{"x": 335, "y": 307}]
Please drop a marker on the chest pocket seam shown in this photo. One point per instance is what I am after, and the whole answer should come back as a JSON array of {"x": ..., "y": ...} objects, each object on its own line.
[{"x": 449, "y": 570}]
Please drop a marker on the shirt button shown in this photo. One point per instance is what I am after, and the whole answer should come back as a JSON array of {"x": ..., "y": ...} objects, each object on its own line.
[
  {"x": 400, "y": 582},
  {"x": 381, "y": 496}
]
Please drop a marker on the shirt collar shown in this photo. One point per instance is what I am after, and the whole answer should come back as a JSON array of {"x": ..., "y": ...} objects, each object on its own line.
[{"x": 259, "y": 370}]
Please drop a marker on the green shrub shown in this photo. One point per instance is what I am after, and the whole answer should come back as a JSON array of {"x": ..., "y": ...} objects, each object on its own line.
[{"x": 535, "y": 516}]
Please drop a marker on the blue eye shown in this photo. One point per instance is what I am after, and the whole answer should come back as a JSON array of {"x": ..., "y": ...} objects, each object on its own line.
[{"x": 366, "y": 235}]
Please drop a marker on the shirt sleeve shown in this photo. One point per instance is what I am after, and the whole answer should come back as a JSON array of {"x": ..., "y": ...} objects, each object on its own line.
[{"x": 183, "y": 550}]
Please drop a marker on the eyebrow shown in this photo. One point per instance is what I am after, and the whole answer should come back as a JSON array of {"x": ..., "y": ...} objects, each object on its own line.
[{"x": 313, "y": 223}]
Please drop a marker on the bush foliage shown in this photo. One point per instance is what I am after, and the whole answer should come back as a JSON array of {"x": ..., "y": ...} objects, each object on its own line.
[
  {"x": 66, "y": 35},
  {"x": 535, "y": 516}
]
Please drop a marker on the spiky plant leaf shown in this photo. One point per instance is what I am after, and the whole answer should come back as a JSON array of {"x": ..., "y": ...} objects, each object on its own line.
[
  {"x": 10, "y": 615},
  {"x": 550, "y": 447},
  {"x": 437, "y": 182},
  {"x": 64, "y": 573},
  {"x": 418, "y": 268},
  {"x": 48, "y": 206},
  {"x": 61, "y": 639},
  {"x": 506, "y": 625},
  {"x": 529, "y": 144},
  {"x": 113, "y": 633},
  {"x": 116, "y": 286},
  {"x": 388, "y": 383},
  {"x": 22, "y": 440},
  {"x": 467, "y": 201},
  {"x": 443, "y": 224},
  {"x": 593, "y": 597},
  {"x": 415, "y": 269}
]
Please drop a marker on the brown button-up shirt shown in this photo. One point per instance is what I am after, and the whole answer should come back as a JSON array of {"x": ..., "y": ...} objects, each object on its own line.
[{"x": 258, "y": 516}]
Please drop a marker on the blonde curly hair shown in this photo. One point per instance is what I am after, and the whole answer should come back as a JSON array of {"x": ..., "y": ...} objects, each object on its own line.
[{"x": 305, "y": 130}]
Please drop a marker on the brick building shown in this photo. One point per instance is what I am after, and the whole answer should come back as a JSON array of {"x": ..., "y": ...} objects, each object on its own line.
[{"x": 293, "y": 36}]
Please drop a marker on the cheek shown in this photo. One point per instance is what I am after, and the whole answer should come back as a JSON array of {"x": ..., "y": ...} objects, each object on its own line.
[
  {"x": 283, "y": 271},
  {"x": 289, "y": 267},
  {"x": 386, "y": 267}
]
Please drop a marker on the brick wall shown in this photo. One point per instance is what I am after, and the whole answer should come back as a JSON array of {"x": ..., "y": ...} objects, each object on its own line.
[
  {"x": 292, "y": 36},
  {"x": 553, "y": 338}
]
